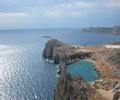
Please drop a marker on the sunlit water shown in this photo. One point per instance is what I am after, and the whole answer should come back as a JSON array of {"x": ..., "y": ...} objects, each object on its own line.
[{"x": 24, "y": 74}]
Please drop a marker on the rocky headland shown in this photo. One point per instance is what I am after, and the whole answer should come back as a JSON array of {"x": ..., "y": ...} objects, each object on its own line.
[
  {"x": 74, "y": 87},
  {"x": 112, "y": 30}
]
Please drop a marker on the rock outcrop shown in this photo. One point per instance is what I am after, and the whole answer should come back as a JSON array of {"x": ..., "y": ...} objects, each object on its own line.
[
  {"x": 72, "y": 88},
  {"x": 116, "y": 29},
  {"x": 57, "y": 51},
  {"x": 62, "y": 53},
  {"x": 116, "y": 95}
]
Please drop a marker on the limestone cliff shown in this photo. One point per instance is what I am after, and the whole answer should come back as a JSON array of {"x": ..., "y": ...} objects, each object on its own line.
[
  {"x": 72, "y": 88},
  {"x": 57, "y": 51},
  {"x": 62, "y": 53}
]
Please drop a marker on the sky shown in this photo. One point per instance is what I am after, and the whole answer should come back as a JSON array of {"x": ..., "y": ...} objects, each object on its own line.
[{"x": 22, "y": 14}]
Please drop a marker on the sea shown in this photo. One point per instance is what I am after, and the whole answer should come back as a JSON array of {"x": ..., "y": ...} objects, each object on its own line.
[{"x": 24, "y": 74}]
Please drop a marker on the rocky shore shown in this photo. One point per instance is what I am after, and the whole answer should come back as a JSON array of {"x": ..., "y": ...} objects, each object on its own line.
[
  {"x": 63, "y": 54},
  {"x": 75, "y": 88}
]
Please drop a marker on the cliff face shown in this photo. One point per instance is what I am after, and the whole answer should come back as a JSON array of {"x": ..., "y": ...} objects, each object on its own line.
[
  {"x": 49, "y": 48},
  {"x": 57, "y": 51},
  {"x": 72, "y": 88},
  {"x": 61, "y": 53},
  {"x": 116, "y": 30}
]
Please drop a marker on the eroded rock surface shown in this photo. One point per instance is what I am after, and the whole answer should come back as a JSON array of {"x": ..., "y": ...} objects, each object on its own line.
[
  {"x": 112, "y": 56},
  {"x": 116, "y": 29},
  {"x": 72, "y": 88},
  {"x": 62, "y": 53}
]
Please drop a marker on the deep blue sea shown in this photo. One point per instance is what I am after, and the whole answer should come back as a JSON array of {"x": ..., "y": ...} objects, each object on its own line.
[{"x": 24, "y": 75}]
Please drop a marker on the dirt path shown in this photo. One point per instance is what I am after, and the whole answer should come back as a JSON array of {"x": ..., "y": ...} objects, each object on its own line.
[{"x": 108, "y": 94}]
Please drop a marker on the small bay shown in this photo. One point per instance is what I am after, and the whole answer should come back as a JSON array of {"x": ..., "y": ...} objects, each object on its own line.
[{"x": 83, "y": 68}]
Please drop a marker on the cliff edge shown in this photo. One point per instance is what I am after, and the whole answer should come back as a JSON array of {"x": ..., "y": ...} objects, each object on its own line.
[{"x": 72, "y": 88}]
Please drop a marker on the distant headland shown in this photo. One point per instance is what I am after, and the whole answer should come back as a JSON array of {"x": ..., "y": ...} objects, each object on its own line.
[{"x": 110, "y": 30}]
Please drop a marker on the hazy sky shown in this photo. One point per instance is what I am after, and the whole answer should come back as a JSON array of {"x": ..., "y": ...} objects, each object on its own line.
[{"x": 17, "y": 14}]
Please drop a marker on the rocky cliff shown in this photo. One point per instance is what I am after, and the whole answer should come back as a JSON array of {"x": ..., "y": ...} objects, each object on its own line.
[
  {"x": 116, "y": 29},
  {"x": 72, "y": 88},
  {"x": 57, "y": 51},
  {"x": 62, "y": 53},
  {"x": 112, "y": 30}
]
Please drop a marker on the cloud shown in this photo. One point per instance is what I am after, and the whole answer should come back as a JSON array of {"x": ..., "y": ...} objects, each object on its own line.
[
  {"x": 13, "y": 14},
  {"x": 73, "y": 8},
  {"x": 53, "y": 13},
  {"x": 80, "y": 4},
  {"x": 75, "y": 13},
  {"x": 85, "y": 4},
  {"x": 112, "y": 3}
]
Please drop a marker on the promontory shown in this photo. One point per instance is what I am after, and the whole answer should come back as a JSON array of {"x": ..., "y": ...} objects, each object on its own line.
[
  {"x": 106, "y": 60},
  {"x": 109, "y": 30}
]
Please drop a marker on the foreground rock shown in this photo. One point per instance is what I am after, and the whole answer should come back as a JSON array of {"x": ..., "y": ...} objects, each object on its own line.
[{"x": 73, "y": 88}]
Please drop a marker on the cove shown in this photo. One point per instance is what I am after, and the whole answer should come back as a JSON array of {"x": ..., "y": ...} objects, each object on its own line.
[{"x": 83, "y": 68}]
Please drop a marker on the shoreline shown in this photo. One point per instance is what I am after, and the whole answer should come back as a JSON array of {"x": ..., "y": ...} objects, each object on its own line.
[{"x": 93, "y": 65}]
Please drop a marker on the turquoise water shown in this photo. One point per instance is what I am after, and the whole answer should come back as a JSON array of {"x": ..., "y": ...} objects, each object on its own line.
[{"x": 83, "y": 68}]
